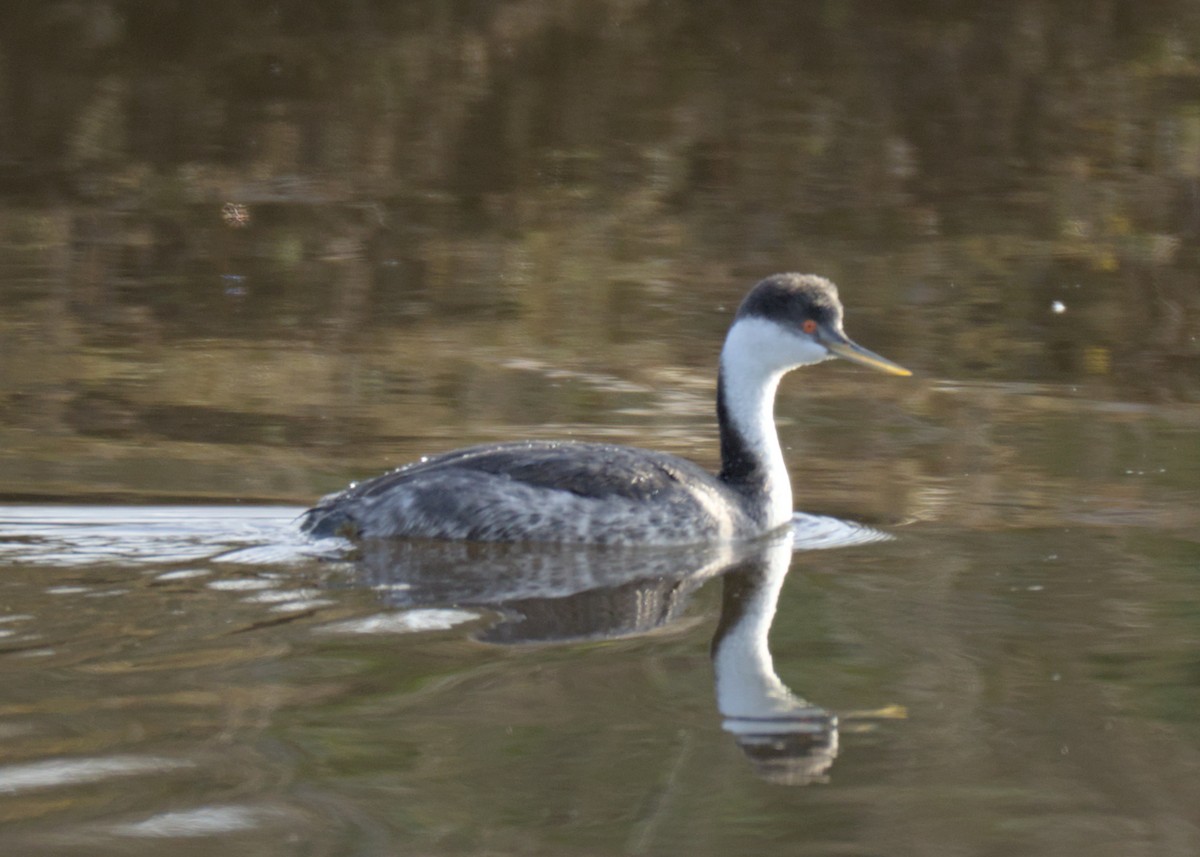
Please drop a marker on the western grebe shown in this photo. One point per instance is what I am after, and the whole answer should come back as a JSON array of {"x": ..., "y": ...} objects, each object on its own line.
[{"x": 550, "y": 491}]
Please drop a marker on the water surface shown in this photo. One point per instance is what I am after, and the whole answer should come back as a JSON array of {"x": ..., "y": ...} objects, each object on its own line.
[{"x": 249, "y": 255}]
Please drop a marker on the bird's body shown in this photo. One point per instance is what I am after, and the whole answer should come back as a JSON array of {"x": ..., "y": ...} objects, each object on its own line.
[
  {"x": 542, "y": 491},
  {"x": 545, "y": 491}
]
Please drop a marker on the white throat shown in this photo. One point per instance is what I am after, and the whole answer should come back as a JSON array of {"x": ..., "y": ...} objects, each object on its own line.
[{"x": 756, "y": 355}]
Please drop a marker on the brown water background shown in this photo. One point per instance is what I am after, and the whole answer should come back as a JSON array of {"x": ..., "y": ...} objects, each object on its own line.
[{"x": 251, "y": 251}]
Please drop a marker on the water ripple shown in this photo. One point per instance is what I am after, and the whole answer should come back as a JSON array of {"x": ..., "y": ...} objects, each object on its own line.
[{"x": 73, "y": 772}]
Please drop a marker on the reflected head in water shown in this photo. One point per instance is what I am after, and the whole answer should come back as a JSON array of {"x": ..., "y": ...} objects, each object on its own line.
[{"x": 541, "y": 491}]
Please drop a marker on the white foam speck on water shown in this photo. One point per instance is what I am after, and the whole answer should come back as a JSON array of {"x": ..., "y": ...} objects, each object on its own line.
[
  {"x": 406, "y": 622},
  {"x": 203, "y": 821},
  {"x": 243, "y": 584},
  {"x": 275, "y": 596},
  {"x": 183, "y": 574},
  {"x": 73, "y": 772},
  {"x": 303, "y": 604}
]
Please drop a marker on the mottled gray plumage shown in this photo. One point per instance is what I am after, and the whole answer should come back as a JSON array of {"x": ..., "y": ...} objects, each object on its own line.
[{"x": 540, "y": 491}]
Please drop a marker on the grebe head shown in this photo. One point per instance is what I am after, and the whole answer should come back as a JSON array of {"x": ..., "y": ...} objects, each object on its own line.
[
  {"x": 797, "y": 319},
  {"x": 786, "y": 321}
]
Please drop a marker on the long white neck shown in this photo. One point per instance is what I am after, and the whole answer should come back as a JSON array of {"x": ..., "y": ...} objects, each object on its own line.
[{"x": 756, "y": 355}]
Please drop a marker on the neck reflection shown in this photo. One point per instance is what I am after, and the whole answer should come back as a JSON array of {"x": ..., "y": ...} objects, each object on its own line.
[{"x": 787, "y": 739}]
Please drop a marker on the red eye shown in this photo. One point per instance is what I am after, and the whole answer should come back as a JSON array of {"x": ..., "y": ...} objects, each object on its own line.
[{"x": 809, "y": 326}]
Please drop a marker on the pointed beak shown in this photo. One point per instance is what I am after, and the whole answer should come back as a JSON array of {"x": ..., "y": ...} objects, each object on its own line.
[{"x": 840, "y": 346}]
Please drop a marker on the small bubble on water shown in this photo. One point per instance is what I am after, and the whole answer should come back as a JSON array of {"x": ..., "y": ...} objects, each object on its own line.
[
  {"x": 235, "y": 285},
  {"x": 34, "y": 653},
  {"x": 241, "y": 584},
  {"x": 183, "y": 574}
]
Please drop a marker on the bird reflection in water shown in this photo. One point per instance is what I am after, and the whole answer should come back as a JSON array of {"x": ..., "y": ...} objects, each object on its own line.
[
  {"x": 787, "y": 739},
  {"x": 570, "y": 593}
]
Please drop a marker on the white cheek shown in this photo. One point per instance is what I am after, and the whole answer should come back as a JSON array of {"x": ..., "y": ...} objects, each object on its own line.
[{"x": 764, "y": 347}]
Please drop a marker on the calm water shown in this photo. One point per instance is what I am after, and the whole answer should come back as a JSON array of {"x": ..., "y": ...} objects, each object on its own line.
[{"x": 249, "y": 254}]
